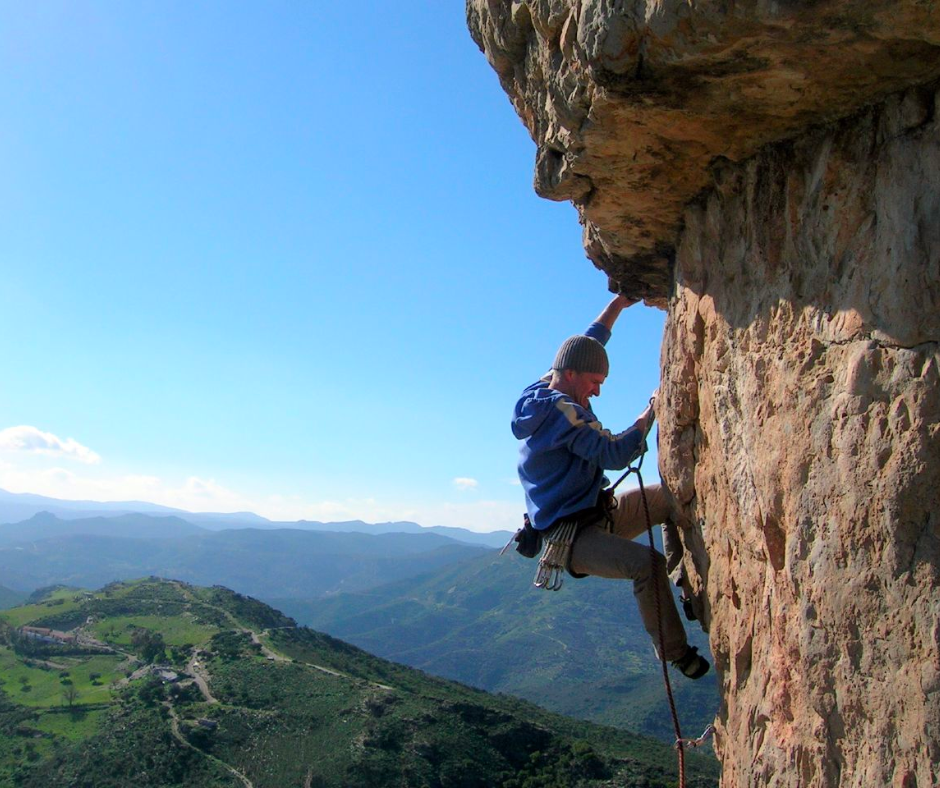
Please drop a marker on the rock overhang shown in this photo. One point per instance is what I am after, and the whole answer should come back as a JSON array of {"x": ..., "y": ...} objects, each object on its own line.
[{"x": 633, "y": 104}]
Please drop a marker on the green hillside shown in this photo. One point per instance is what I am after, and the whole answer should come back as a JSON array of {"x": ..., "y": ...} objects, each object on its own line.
[
  {"x": 246, "y": 698},
  {"x": 581, "y": 651}
]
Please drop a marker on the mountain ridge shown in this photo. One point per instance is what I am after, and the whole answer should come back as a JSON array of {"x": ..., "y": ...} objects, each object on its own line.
[
  {"x": 260, "y": 562},
  {"x": 9, "y": 597},
  {"x": 47, "y": 525},
  {"x": 18, "y": 507}
]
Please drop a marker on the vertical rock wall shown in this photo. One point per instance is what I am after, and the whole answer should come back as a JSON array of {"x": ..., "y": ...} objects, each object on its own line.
[
  {"x": 768, "y": 172},
  {"x": 801, "y": 428}
]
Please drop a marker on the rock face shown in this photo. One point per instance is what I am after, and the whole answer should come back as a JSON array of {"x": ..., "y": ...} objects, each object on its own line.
[
  {"x": 760, "y": 170},
  {"x": 630, "y": 102},
  {"x": 801, "y": 372}
]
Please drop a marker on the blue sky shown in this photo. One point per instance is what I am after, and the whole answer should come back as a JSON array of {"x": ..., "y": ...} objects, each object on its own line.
[{"x": 281, "y": 257}]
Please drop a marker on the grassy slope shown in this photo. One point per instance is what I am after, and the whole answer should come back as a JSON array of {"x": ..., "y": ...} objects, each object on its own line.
[
  {"x": 581, "y": 651},
  {"x": 314, "y": 711}
]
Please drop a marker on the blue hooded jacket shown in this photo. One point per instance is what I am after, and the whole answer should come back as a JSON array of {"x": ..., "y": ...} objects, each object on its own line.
[{"x": 565, "y": 450}]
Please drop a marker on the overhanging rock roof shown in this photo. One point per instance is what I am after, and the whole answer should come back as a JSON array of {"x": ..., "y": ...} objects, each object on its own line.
[{"x": 632, "y": 103}]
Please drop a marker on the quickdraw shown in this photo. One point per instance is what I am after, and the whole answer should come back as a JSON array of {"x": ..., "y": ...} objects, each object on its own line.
[
  {"x": 696, "y": 742},
  {"x": 554, "y": 560}
]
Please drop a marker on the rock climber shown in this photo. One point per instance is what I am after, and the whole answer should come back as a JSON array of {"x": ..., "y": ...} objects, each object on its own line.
[{"x": 563, "y": 454}]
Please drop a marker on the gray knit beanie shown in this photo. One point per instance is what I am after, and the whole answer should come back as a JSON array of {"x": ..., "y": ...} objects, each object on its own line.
[{"x": 582, "y": 354}]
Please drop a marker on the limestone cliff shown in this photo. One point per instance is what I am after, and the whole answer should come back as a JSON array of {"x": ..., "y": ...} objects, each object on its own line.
[{"x": 768, "y": 173}]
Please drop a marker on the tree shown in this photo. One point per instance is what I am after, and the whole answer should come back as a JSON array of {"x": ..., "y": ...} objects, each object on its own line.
[
  {"x": 149, "y": 645},
  {"x": 69, "y": 694}
]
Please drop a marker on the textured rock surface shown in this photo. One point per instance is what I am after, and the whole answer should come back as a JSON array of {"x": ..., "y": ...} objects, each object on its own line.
[
  {"x": 760, "y": 170},
  {"x": 801, "y": 368},
  {"x": 629, "y": 102}
]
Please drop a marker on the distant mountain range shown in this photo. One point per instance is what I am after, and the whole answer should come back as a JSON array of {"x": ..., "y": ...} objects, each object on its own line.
[
  {"x": 46, "y": 525},
  {"x": 88, "y": 553},
  {"x": 16, "y": 507},
  {"x": 158, "y": 683},
  {"x": 581, "y": 651},
  {"x": 9, "y": 598}
]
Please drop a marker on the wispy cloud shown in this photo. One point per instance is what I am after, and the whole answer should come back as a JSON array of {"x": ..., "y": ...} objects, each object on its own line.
[
  {"x": 193, "y": 494},
  {"x": 202, "y": 494},
  {"x": 33, "y": 440},
  {"x": 475, "y": 516},
  {"x": 465, "y": 483}
]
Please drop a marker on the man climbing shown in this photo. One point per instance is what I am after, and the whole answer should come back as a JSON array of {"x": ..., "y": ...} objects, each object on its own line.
[{"x": 564, "y": 452}]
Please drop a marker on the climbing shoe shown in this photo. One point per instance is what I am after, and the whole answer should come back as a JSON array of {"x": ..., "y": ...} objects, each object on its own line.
[{"x": 691, "y": 664}]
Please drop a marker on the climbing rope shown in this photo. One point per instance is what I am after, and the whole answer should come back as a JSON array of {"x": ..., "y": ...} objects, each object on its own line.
[{"x": 680, "y": 743}]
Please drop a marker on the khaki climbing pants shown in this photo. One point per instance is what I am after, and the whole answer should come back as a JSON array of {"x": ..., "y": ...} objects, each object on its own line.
[{"x": 615, "y": 555}]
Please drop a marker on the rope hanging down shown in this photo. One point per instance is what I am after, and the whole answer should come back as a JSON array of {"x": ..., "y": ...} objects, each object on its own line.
[{"x": 680, "y": 743}]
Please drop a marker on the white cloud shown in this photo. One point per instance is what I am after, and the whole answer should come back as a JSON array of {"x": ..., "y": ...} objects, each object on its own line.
[
  {"x": 204, "y": 488},
  {"x": 53, "y": 482},
  {"x": 142, "y": 482},
  {"x": 464, "y": 483},
  {"x": 59, "y": 476},
  {"x": 30, "y": 439}
]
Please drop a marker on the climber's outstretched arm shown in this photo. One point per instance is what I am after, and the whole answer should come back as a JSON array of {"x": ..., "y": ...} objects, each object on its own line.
[{"x": 612, "y": 311}]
